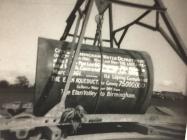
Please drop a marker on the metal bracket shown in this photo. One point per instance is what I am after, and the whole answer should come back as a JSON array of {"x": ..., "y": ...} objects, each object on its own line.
[{"x": 175, "y": 42}]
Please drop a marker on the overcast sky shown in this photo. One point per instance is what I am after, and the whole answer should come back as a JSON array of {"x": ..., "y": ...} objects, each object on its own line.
[{"x": 23, "y": 21}]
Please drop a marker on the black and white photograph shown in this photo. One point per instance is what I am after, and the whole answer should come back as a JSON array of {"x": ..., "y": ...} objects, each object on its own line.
[{"x": 93, "y": 70}]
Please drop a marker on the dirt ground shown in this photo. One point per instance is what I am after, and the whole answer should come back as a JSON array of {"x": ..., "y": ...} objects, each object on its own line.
[{"x": 26, "y": 95}]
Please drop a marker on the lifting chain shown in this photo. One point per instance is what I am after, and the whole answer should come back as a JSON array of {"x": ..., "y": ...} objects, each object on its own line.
[
  {"x": 98, "y": 34},
  {"x": 98, "y": 40}
]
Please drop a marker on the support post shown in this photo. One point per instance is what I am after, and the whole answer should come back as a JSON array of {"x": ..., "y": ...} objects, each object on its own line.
[
  {"x": 71, "y": 19},
  {"x": 110, "y": 24},
  {"x": 180, "y": 47},
  {"x": 57, "y": 111}
]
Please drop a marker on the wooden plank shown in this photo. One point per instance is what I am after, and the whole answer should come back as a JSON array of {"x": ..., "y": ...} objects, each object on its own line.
[
  {"x": 178, "y": 128},
  {"x": 142, "y": 128},
  {"x": 118, "y": 136},
  {"x": 89, "y": 119},
  {"x": 144, "y": 119},
  {"x": 166, "y": 111}
]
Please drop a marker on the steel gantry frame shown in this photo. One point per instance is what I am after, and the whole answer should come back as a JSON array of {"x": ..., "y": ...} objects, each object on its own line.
[
  {"x": 176, "y": 43},
  {"x": 161, "y": 12},
  {"x": 83, "y": 8}
]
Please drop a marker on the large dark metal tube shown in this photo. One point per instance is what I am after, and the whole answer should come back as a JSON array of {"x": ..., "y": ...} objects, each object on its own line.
[{"x": 126, "y": 86}]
